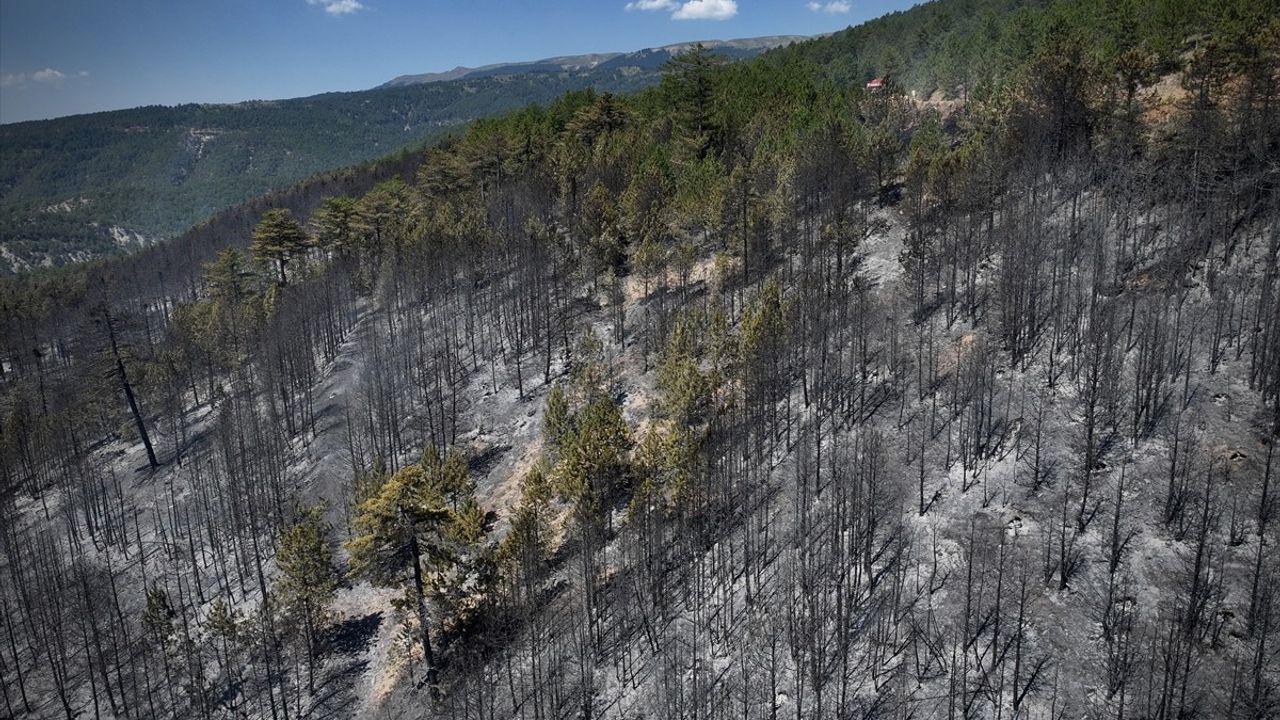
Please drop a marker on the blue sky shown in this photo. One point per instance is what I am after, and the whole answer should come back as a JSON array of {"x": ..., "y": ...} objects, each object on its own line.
[{"x": 61, "y": 57}]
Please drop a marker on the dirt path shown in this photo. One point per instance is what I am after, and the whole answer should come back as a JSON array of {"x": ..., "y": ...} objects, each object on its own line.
[{"x": 323, "y": 466}]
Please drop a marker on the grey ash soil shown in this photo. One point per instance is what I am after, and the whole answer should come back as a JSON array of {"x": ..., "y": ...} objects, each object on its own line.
[
  {"x": 370, "y": 673},
  {"x": 502, "y": 437}
]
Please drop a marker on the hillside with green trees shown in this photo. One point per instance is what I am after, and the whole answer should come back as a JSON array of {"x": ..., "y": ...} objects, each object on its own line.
[
  {"x": 752, "y": 394},
  {"x": 93, "y": 185},
  {"x": 951, "y": 47}
]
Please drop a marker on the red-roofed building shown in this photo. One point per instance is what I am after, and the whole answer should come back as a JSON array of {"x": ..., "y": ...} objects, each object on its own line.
[{"x": 875, "y": 84}]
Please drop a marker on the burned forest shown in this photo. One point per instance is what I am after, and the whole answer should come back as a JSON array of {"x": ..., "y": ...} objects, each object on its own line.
[{"x": 765, "y": 392}]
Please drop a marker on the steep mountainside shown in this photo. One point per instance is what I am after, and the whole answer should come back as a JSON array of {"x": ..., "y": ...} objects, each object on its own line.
[{"x": 756, "y": 394}]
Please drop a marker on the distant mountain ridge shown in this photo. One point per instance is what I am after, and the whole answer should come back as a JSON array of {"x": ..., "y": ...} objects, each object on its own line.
[{"x": 644, "y": 59}]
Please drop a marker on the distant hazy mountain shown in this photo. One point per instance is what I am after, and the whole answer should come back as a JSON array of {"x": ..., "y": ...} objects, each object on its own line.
[
  {"x": 84, "y": 186},
  {"x": 646, "y": 59}
]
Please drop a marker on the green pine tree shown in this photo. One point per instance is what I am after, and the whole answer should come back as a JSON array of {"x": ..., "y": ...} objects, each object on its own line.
[{"x": 277, "y": 238}]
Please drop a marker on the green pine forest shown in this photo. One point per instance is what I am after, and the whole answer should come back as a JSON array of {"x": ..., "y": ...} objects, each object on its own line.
[
  {"x": 157, "y": 171},
  {"x": 151, "y": 173}
]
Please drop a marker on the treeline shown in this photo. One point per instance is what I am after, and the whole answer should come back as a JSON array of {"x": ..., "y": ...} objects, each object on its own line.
[
  {"x": 957, "y": 48},
  {"x": 1020, "y": 466}
]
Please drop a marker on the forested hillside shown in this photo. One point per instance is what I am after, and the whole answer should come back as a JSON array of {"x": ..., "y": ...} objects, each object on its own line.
[
  {"x": 94, "y": 185},
  {"x": 753, "y": 394}
]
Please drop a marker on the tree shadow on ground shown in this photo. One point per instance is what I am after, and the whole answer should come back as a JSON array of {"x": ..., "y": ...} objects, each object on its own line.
[
  {"x": 354, "y": 635},
  {"x": 336, "y": 694}
]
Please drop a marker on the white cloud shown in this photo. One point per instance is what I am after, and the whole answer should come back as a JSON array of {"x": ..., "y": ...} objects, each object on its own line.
[
  {"x": 338, "y": 7},
  {"x": 832, "y": 7},
  {"x": 652, "y": 5},
  {"x": 689, "y": 9},
  {"x": 48, "y": 75},
  {"x": 706, "y": 10}
]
